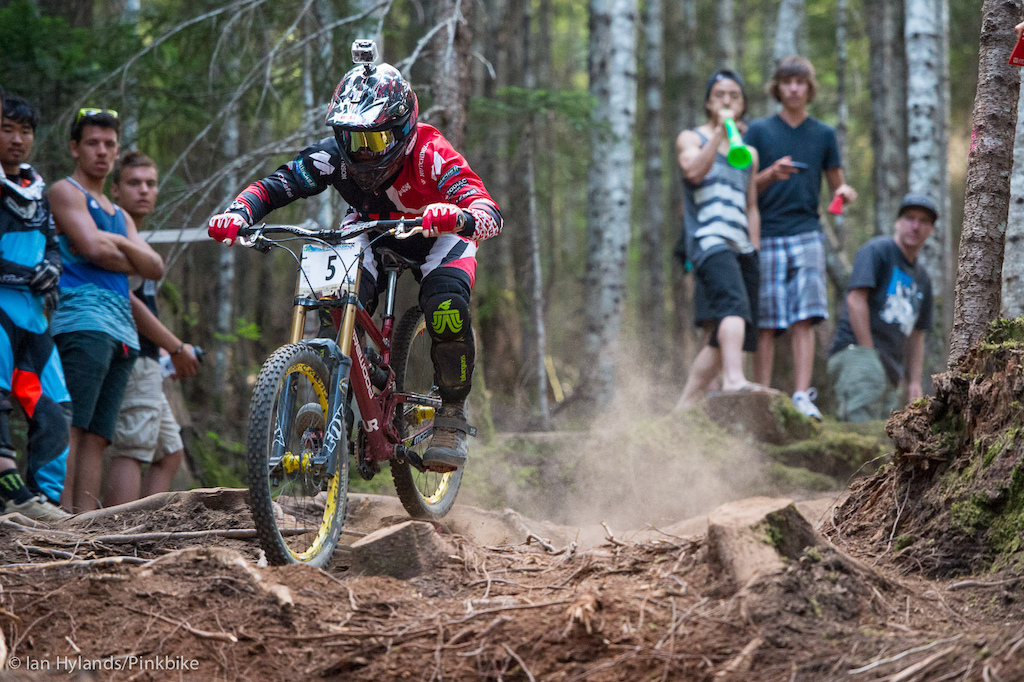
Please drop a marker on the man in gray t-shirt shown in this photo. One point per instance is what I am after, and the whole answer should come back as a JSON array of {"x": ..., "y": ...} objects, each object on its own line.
[{"x": 880, "y": 336}]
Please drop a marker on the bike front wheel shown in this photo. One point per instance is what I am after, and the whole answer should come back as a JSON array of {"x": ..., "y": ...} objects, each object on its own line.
[
  {"x": 424, "y": 494},
  {"x": 297, "y": 490}
]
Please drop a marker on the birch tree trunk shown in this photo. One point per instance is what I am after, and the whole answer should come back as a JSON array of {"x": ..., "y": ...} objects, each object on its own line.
[
  {"x": 725, "y": 34},
  {"x": 926, "y": 139},
  {"x": 226, "y": 272},
  {"x": 791, "y": 17},
  {"x": 609, "y": 190},
  {"x": 1013, "y": 262},
  {"x": 988, "y": 179},
  {"x": 130, "y": 117},
  {"x": 888, "y": 77},
  {"x": 652, "y": 292},
  {"x": 533, "y": 226}
]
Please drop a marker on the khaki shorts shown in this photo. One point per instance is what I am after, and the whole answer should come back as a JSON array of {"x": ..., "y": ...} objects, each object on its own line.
[
  {"x": 862, "y": 389},
  {"x": 146, "y": 429}
]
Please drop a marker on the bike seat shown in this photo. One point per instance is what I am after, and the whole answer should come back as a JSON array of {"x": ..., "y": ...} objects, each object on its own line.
[{"x": 390, "y": 259}]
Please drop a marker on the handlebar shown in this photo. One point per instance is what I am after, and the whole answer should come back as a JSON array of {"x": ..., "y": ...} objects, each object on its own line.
[{"x": 253, "y": 236}]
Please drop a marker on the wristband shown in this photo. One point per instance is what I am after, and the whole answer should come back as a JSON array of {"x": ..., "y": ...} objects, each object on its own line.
[{"x": 180, "y": 348}]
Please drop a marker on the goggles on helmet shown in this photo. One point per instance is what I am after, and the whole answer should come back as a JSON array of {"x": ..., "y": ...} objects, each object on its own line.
[{"x": 376, "y": 142}]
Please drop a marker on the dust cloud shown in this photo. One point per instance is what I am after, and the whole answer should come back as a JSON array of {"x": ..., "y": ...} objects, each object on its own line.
[{"x": 639, "y": 464}]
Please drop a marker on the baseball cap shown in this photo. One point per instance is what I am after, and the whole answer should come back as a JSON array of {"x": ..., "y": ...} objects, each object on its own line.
[{"x": 924, "y": 201}]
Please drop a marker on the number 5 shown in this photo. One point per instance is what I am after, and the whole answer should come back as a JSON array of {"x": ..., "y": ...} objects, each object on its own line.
[{"x": 331, "y": 270}]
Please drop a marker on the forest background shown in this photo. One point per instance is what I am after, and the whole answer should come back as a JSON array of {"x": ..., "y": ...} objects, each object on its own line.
[{"x": 567, "y": 110}]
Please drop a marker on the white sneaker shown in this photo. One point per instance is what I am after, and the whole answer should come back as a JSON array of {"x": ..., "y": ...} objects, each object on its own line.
[
  {"x": 804, "y": 401},
  {"x": 38, "y": 508}
]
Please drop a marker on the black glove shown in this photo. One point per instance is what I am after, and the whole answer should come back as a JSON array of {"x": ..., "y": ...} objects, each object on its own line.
[{"x": 45, "y": 277}]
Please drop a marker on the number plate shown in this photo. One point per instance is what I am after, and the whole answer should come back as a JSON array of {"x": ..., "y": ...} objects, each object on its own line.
[{"x": 329, "y": 271}]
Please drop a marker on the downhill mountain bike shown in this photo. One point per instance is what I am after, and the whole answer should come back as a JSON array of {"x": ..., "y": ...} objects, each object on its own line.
[{"x": 303, "y": 422}]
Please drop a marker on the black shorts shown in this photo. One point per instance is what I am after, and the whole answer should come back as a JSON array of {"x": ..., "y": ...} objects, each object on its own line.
[{"x": 726, "y": 286}]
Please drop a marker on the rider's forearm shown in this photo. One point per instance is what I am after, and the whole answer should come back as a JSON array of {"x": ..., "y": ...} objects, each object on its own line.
[{"x": 483, "y": 221}]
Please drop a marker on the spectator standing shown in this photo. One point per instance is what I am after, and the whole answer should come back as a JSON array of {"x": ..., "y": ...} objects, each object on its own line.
[
  {"x": 93, "y": 327},
  {"x": 146, "y": 431},
  {"x": 888, "y": 308},
  {"x": 795, "y": 151},
  {"x": 722, "y": 231},
  {"x": 30, "y": 368}
]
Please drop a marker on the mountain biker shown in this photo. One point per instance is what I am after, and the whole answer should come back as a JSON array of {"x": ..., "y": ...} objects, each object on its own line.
[{"x": 387, "y": 166}]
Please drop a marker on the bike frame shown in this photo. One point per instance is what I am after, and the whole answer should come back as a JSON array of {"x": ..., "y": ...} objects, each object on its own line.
[{"x": 376, "y": 410}]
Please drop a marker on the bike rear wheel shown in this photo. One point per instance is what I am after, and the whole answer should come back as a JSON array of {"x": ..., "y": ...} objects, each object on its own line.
[
  {"x": 424, "y": 494},
  {"x": 297, "y": 497}
]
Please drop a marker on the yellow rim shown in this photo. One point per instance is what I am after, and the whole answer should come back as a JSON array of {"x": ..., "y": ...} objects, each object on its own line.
[
  {"x": 441, "y": 489},
  {"x": 330, "y": 507}
]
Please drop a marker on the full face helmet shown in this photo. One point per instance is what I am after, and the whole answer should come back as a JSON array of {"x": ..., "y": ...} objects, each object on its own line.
[{"x": 373, "y": 114}]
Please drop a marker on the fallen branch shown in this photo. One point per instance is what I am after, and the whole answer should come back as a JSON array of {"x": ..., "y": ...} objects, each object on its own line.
[
  {"x": 963, "y": 584},
  {"x": 611, "y": 537},
  {"x": 522, "y": 665},
  {"x": 909, "y": 672},
  {"x": 202, "y": 634},
  {"x": 237, "y": 533},
  {"x": 908, "y": 652},
  {"x": 77, "y": 563}
]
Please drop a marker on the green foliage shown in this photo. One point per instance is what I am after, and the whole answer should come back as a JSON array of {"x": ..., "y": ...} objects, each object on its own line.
[
  {"x": 513, "y": 103},
  {"x": 221, "y": 462}
]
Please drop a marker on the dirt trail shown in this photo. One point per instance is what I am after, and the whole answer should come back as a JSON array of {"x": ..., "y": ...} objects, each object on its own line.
[{"x": 639, "y": 605}]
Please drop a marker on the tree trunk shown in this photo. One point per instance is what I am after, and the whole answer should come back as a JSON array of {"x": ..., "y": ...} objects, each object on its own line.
[
  {"x": 652, "y": 270},
  {"x": 533, "y": 226},
  {"x": 725, "y": 34},
  {"x": 926, "y": 144},
  {"x": 888, "y": 77},
  {"x": 1013, "y": 263},
  {"x": 609, "y": 190},
  {"x": 791, "y": 17},
  {"x": 129, "y": 137},
  {"x": 682, "y": 21},
  {"x": 988, "y": 179},
  {"x": 842, "y": 106},
  {"x": 451, "y": 69},
  {"x": 226, "y": 272}
]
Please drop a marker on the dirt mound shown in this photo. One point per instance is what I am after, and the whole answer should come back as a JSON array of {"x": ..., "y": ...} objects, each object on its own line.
[
  {"x": 952, "y": 501},
  {"x": 651, "y": 609}
]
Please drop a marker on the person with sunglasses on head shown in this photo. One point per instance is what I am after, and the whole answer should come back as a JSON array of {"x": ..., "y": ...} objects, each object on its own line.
[
  {"x": 93, "y": 327},
  {"x": 30, "y": 367},
  {"x": 386, "y": 165}
]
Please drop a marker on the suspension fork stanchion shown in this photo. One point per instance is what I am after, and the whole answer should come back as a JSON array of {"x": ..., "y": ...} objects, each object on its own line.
[
  {"x": 348, "y": 320},
  {"x": 298, "y": 323}
]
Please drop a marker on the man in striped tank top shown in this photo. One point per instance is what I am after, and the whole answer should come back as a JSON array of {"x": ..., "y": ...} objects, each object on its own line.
[
  {"x": 93, "y": 327},
  {"x": 721, "y": 240}
]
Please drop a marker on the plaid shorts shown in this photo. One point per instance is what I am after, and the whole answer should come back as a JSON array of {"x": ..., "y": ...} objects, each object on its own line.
[{"x": 793, "y": 280}]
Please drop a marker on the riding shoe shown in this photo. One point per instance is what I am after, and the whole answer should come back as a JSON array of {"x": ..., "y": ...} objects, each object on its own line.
[{"x": 448, "y": 446}]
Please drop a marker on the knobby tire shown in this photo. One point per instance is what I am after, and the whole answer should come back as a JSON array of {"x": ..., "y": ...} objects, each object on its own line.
[
  {"x": 298, "y": 505},
  {"x": 424, "y": 494}
]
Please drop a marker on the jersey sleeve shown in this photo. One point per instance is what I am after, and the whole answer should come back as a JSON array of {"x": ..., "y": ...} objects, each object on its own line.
[
  {"x": 444, "y": 172},
  {"x": 310, "y": 173}
]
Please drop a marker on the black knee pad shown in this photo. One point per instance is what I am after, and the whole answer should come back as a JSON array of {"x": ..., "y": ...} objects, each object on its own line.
[{"x": 444, "y": 299}]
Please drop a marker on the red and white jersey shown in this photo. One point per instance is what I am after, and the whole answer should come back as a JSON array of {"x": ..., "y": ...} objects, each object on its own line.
[{"x": 433, "y": 173}]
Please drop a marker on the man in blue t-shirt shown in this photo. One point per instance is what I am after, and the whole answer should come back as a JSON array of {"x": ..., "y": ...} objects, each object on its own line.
[
  {"x": 795, "y": 151},
  {"x": 888, "y": 308}
]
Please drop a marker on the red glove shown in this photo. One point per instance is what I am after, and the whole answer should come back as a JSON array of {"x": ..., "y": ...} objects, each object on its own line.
[
  {"x": 224, "y": 227},
  {"x": 441, "y": 219}
]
